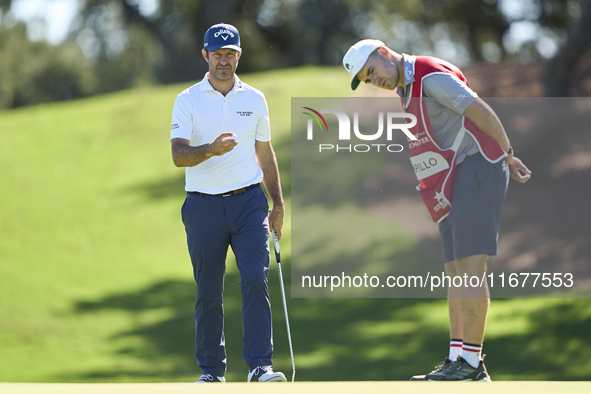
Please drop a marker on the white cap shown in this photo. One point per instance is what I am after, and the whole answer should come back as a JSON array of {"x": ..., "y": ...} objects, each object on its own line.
[{"x": 357, "y": 55}]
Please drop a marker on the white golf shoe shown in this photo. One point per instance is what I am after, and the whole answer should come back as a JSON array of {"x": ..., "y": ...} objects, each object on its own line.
[
  {"x": 209, "y": 378},
  {"x": 265, "y": 373}
]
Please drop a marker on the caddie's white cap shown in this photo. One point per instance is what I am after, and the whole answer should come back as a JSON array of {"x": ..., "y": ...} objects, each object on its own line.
[{"x": 357, "y": 55}]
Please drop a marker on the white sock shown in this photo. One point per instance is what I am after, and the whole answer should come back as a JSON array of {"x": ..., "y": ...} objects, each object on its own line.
[
  {"x": 455, "y": 349},
  {"x": 471, "y": 353}
]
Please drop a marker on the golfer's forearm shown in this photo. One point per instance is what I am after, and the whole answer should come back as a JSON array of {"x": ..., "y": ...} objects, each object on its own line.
[
  {"x": 268, "y": 163},
  {"x": 272, "y": 181},
  {"x": 485, "y": 118},
  {"x": 273, "y": 186},
  {"x": 184, "y": 155}
]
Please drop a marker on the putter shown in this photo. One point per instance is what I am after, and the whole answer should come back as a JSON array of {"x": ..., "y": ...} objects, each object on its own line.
[{"x": 278, "y": 258}]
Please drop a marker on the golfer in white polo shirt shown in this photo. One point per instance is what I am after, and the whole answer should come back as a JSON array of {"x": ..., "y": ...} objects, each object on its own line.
[{"x": 220, "y": 133}]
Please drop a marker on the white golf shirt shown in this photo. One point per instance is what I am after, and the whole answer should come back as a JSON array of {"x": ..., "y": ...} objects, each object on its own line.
[{"x": 201, "y": 114}]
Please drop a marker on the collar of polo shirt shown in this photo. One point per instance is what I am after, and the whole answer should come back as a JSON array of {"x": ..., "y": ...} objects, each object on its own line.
[{"x": 238, "y": 86}]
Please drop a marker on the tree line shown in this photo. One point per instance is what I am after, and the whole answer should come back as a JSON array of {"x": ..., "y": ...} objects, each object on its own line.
[{"x": 114, "y": 44}]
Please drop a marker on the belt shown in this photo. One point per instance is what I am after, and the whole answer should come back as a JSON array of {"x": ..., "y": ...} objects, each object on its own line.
[{"x": 229, "y": 193}]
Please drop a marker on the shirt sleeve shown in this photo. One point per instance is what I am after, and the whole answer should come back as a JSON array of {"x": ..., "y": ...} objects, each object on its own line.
[
  {"x": 449, "y": 91},
  {"x": 182, "y": 118},
  {"x": 263, "y": 133}
]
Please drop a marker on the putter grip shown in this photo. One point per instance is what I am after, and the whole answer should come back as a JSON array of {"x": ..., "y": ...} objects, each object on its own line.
[{"x": 275, "y": 242}]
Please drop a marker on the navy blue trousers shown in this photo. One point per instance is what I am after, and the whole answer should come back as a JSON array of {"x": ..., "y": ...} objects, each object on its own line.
[{"x": 213, "y": 223}]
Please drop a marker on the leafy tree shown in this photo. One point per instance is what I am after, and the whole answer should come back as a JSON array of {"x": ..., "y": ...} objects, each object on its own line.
[
  {"x": 560, "y": 73},
  {"x": 113, "y": 44},
  {"x": 36, "y": 72}
]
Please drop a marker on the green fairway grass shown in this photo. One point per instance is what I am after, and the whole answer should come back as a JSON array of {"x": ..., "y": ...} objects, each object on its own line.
[{"x": 96, "y": 283}]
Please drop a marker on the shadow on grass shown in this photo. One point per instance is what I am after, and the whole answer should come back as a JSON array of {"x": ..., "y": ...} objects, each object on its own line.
[
  {"x": 336, "y": 339},
  {"x": 555, "y": 346},
  {"x": 160, "y": 188}
]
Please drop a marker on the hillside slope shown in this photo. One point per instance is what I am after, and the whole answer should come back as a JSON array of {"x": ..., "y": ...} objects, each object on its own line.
[{"x": 95, "y": 280}]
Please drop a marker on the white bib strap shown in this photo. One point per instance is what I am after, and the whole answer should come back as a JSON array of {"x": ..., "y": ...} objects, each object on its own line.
[{"x": 459, "y": 139}]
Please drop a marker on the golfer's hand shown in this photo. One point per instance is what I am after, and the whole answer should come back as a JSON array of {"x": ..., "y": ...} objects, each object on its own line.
[
  {"x": 223, "y": 144},
  {"x": 519, "y": 171},
  {"x": 276, "y": 220}
]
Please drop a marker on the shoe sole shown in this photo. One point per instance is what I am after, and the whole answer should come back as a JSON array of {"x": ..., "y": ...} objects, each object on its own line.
[
  {"x": 276, "y": 377},
  {"x": 488, "y": 380}
]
